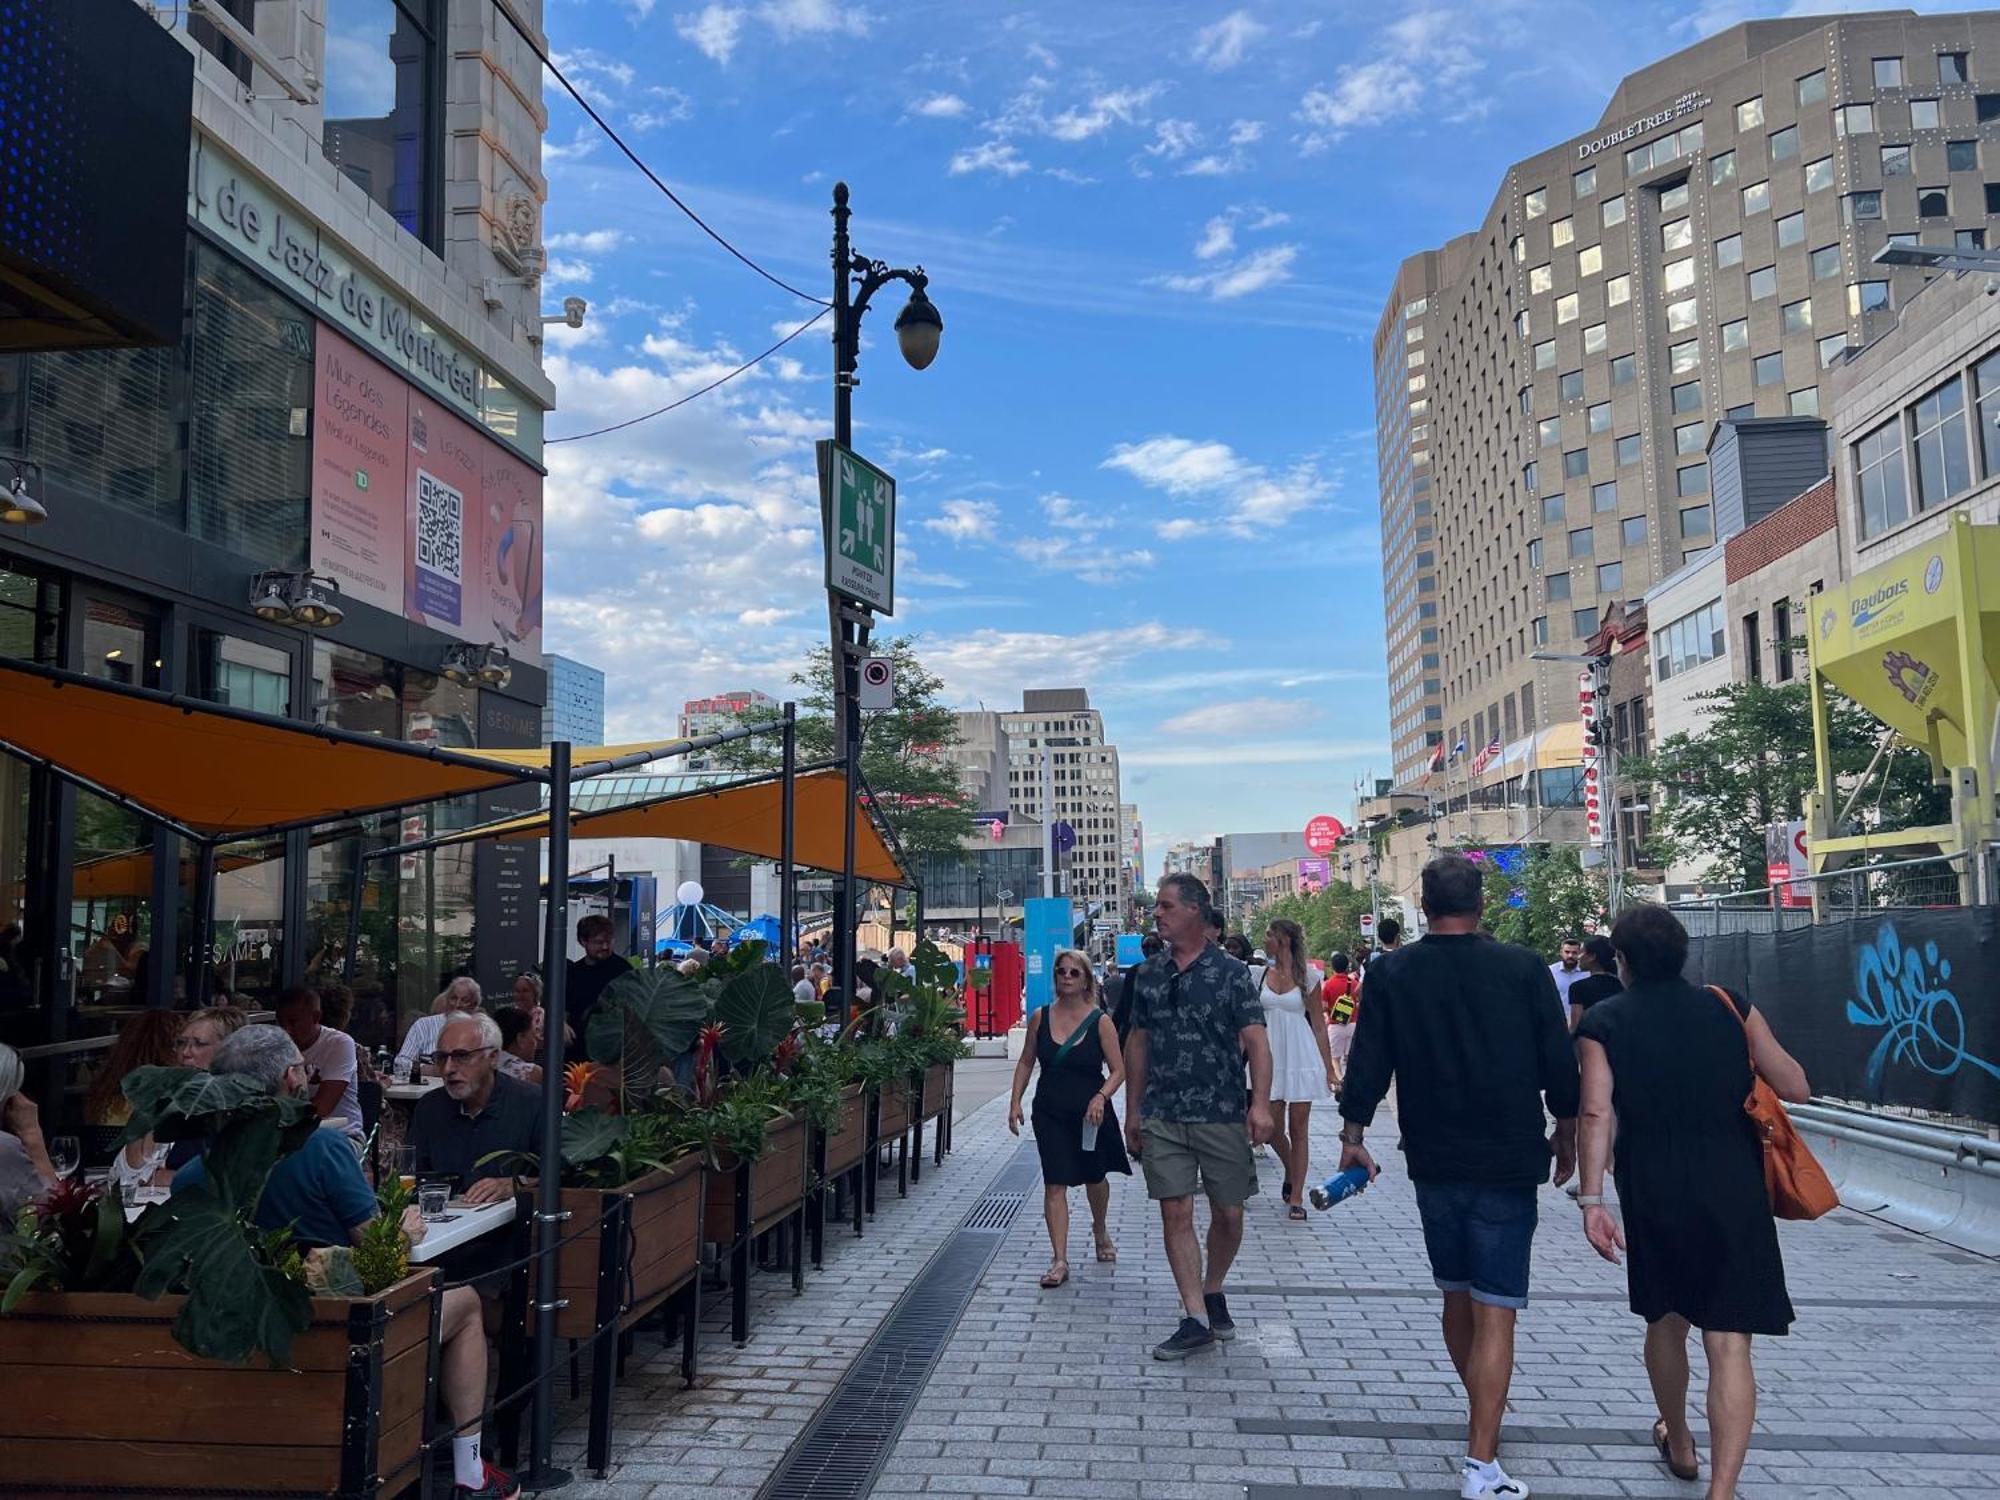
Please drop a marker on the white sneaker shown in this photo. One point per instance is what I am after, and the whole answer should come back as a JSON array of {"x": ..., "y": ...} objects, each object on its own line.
[{"x": 1476, "y": 1482}]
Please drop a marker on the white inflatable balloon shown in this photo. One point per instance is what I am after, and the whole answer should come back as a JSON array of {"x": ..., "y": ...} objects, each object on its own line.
[{"x": 689, "y": 893}]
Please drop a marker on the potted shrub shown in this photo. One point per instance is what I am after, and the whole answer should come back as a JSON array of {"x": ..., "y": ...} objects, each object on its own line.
[
  {"x": 823, "y": 1090},
  {"x": 113, "y": 1336}
]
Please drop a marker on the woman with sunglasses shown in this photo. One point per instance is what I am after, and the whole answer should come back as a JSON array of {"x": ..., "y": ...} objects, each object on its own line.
[{"x": 1075, "y": 1042}]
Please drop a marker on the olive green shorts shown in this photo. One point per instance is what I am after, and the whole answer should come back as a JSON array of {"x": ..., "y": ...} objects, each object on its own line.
[{"x": 1216, "y": 1157}]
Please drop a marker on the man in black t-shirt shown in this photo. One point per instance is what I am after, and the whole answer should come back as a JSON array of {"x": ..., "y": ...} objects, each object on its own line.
[
  {"x": 1600, "y": 981},
  {"x": 589, "y": 975}
]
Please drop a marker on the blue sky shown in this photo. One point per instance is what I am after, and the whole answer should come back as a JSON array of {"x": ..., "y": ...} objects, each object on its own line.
[{"x": 1143, "y": 463}]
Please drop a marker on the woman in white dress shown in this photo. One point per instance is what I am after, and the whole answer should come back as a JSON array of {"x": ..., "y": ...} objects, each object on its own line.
[{"x": 1302, "y": 1071}]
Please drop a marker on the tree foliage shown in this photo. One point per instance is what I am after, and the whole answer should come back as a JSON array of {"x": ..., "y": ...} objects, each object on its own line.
[
  {"x": 917, "y": 790},
  {"x": 1330, "y": 918},
  {"x": 1561, "y": 899},
  {"x": 1750, "y": 764}
]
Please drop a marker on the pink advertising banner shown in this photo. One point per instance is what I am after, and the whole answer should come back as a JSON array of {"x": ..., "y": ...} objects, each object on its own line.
[{"x": 415, "y": 510}]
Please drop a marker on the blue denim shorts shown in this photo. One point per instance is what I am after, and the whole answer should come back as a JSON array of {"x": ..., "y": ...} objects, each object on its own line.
[{"x": 1480, "y": 1239}]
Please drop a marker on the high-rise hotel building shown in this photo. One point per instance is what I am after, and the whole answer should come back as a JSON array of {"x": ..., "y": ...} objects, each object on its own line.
[{"x": 1547, "y": 386}]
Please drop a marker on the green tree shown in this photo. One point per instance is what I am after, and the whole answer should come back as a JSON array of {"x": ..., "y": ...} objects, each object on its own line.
[
  {"x": 903, "y": 750},
  {"x": 1561, "y": 899},
  {"x": 1750, "y": 765},
  {"x": 1330, "y": 918}
]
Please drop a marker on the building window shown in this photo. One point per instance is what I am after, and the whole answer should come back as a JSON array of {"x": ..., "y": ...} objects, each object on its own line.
[
  {"x": 1627, "y": 449},
  {"x": 1819, "y": 175},
  {"x": 1571, "y": 385},
  {"x": 1736, "y": 335},
  {"x": 1804, "y": 403},
  {"x": 1527, "y": 401},
  {"x": 1552, "y": 509},
  {"x": 1692, "y": 480},
  {"x": 1753, "y": 659},
  {"x": 1750, "y": 114},
  {"x": 1674, "y": 200},
  {"x": 1676, "y": 234},
  {"x": 1604, "y": 497},
  {"x": 1696, "y": 637},
  {"x": 1830, "y": 348},
  {"x": 1826, "y": 263},
  {"x": 1882, "y": 478},
  {"x": 1590, "y": 260},
  {"x": 1728, "y": 252},
  {"x": 1519, "y": 247},
  {"x": 1888, "y": 75},
  {"x": 1690, "y": 437},
  {"x": 1545, "y": 355},
  {"x": 1986, "y": 392},
  {"x": 1864, "y": 207},
  {"x": 1612, "y": 211},
  {"x": 1566, "y": 309},
  {"x": 1944, "y": 466},
  {"x": 1756, "y": 198},
  {"x": 1528, "y": 478},
  {"x": 1584, "y": 621},
  {"x": 1617, "y": 291},
  {"x": 1722, "y": 169},
  {"x": 1594, "y": 339},
  {"x": 1785, "y": 143},
  {"x": 1933, "y": 203},
  {"x": 1867, "y": 297},
  {"x": 1550, "y": 430},
  {"x": 1598, "y": 417},
  {"x": 1677, "y": 276},
  {"x": 1581, "y": 543},
  {"x": 1791, "y": 230},
  {"x": 1687, "y": 397},
  {"x": 1536, "y": 203},
  {"x": 1624, "y": 369},
  {"x": 1583, "y": 184},
  {"x": 1992, "y": 198},
  {"x": 1535, "y": 552},
  {"x": 1558, "y": 587},
  {"x": 1610, "y": 577},
  {"x": 1951, "y": 68},
  {"x": 1562, "y": 232},
  {"x": 1538, "y": 630},
  {"x": 1540, "y": 280},
  {"x": 1797, "y": 316},
  {"x": 1632, "y": 531},
  {"x": 1854, "y": 119},
  {"x": 1684, "y": 358},
  {"x": 1576, "y": 463},
  {"x": 1895, "y": 161},
  {"x": 1697, "y": 524},
  {"x": 1770, "y": 369},
  {"x": 383, "y": 119},
  {"x": 1961, "y": 156},
  {"x": 1763, "y": 283}
]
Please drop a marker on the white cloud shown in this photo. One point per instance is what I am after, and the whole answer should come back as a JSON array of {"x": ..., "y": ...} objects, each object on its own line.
[
  {"x": 1064, "y": 174},
  {"x": 1243, "y": 716},
  {"x": 759, "y": 619},
  {"x": 1421, "y": 59},
  {"x": 1218, "y": 237},
  {"x": 793, "y": 18},
  {"x": 1078, "y": 556},
  {"x": 1065, "y": 514},
  {"x": 1270, "y": 218},
  {"x": 1253, "y": 273},
  {"x": 1115, "y": 106},
  {"x": 673, "y": 106},
  {"x": 1224, "y": 44},
  {"x": 1173, "y": 139},
  {"x": 1254, "y": 752},
  {"x": 714, "y": 31},
  {"x": 587, "y": 242},
  {"x": 1245, "y": 132},
  {"x": 941, "y": 107},
  {"x": 570, "y": 272},
  {"x": 1230, "y": 493},
  {"x": 992, "y": 665},
  {"x": 964, "y": 520},
  {"x": 999, "y": 157}
]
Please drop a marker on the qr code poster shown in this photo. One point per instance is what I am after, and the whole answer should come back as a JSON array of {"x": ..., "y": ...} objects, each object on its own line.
[{"x": 440, "y": 555}]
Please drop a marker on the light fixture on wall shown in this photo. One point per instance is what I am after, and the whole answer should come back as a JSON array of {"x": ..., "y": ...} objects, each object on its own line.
[
  {"x": 296, "y": 598},
  {"x": 19, "y": 507},
  {"x": 472, "y": 665}
]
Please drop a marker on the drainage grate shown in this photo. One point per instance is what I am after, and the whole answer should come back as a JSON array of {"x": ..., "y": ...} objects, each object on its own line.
[{"x": 842, "y": 1450}]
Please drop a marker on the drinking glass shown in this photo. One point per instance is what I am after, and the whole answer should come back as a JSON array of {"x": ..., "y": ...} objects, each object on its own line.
[
  {"x": 433, "y": 1195},
  {"x": 65, "y": 1154}
]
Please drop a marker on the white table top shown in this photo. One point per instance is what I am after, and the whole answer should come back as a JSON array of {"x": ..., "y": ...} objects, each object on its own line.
[
  {"x": 461, "y": 1225},
  {"x": 409, "y": 1093}
]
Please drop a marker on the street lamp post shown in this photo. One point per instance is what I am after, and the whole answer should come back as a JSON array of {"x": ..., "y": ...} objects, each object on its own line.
[
  {"x": 856, "y": 279},
  {"x": 1599, "y": 733}
]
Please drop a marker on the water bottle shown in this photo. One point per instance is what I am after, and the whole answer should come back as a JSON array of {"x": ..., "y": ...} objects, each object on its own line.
[
  {"x": 1089, "y": 1137},
  {"x": 1339, "y": 1189}
]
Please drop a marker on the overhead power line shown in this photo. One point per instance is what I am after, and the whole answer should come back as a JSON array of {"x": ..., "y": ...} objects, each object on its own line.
[
  {"x": 651, "y": 176},
  {"x": 577, "y": 437}
]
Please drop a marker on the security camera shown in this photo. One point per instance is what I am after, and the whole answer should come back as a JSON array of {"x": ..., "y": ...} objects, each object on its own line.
[{"x": 573, "y": 311}]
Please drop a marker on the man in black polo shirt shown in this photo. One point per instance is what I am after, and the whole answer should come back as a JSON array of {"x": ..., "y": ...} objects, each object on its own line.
[
  {"x": 1464, "y": 1026},
  {"x": 479, "y": 1112}
]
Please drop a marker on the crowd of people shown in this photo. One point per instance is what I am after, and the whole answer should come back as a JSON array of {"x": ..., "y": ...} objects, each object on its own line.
[{"x": 1510, "y": 1072}]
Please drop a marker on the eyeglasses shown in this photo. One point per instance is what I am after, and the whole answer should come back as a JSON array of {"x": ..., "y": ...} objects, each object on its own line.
[
  {"x": 1062, "y": 973},
  {"x": 460, "y": 1055}
]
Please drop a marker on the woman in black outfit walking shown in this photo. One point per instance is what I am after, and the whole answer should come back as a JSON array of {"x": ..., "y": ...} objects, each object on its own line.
[
  {"x": 1074, "y": 1040},
  {"x": 1666, "y": 1067}
]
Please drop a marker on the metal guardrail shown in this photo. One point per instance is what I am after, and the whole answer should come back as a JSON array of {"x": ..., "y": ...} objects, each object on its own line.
[{"x": 1843, "y": 895}]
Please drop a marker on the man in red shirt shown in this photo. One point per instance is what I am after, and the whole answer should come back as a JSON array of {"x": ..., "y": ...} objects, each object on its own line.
[{"x": 1339, "y": 993}]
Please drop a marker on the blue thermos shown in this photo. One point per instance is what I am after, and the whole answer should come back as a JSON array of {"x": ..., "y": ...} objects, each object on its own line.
[{"x": 1339, "y": 1189}]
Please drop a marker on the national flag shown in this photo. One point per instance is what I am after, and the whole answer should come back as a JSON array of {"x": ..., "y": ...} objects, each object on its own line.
[
  {"x": 1485, "y": 757},
  {"x": 1437, "y": 756},
  {"x": 1458, "y": 750}
]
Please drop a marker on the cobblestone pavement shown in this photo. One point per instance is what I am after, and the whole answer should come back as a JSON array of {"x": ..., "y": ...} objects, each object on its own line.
[{"x": 1338, "y": 1380}]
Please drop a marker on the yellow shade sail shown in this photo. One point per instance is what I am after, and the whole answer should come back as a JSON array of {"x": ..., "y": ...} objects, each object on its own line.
[
  {"x": 747, "y": 817},
  {"x": 217, "y": 773}
]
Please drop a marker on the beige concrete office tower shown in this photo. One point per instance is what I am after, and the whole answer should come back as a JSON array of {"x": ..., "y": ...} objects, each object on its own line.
[
  {"x": 1547, "y": 385},
  {"x": 1083, "y": 781}
]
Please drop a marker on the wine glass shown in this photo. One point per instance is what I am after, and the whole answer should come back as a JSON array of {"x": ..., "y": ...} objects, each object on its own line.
[{"x": 65, "y": 1154}]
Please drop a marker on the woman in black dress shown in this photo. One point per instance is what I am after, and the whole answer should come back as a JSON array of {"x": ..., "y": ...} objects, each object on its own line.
[
  {"x": 1666, "y": 1067},
  {"x": 1074, "y": 1040}
]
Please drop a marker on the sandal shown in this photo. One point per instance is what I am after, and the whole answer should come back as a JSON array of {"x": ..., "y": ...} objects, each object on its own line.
[
  {"x": 1052, "y": 1278},
  {"x": 1296, "y": 1213},
  {"x": 1107, "y": 1253},
  {"x": 1691, "y": 1472}
]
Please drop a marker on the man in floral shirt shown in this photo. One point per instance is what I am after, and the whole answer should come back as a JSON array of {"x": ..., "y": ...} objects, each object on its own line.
[{"x": 1195, "y": 1019}]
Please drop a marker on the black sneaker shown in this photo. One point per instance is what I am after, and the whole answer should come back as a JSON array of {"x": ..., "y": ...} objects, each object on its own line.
[
  {"x": 495, "y": 1484},
  {"x": 1190, "y": 1336},
  {"x": 1219, "y": 1322}
]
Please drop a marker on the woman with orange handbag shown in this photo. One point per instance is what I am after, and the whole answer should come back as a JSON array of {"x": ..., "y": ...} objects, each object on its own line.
[{"x": 1667, "y": 1067}]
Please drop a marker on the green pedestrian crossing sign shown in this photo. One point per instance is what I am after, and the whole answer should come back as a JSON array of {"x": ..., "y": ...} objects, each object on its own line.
[{"x": 858, "y": 501}]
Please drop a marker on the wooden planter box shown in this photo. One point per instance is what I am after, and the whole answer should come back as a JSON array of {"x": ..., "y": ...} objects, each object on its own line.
[
  {"x": 777, "y": 1186},
  {"x": 847, "y": 1142},
  {"x": 665, "y": 1244},
  {"x": 96, "y": 1397},
  {"x": 895, "y": 1110},
  {"x": 937, "y": 1091}
]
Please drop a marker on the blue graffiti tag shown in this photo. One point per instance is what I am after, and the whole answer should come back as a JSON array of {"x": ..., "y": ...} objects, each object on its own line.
[{"x": 1903, "y": 991}]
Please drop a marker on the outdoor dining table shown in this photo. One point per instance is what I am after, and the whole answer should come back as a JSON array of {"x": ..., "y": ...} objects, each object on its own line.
[
  {"x": 410, "y": 1093},
  {"x": 461, "y": 1223}
]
